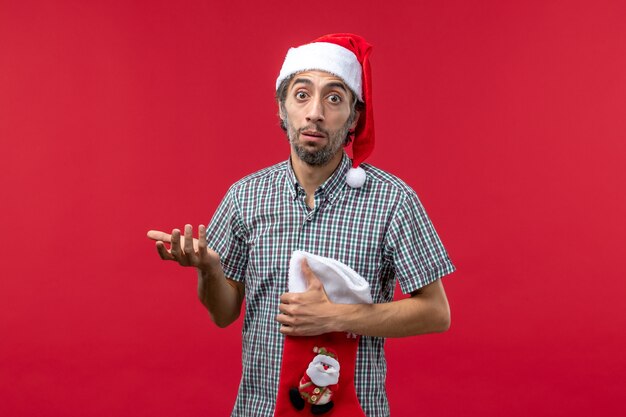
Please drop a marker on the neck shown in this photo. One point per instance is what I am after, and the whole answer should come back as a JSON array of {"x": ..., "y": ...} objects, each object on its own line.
[{"x": 311, "y": 177}]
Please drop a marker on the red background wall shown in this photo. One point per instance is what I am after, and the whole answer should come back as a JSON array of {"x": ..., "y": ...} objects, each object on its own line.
[{"x": 118, "y": 117}]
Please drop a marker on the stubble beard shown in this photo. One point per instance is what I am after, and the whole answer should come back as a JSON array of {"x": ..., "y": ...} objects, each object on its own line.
[{"x": 321, "y": 156}]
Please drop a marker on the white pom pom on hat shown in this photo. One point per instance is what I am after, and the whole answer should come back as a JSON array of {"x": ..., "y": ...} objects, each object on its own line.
[
  {"x": 355, "y": 177},
  {"x": 347, "y": 56}
]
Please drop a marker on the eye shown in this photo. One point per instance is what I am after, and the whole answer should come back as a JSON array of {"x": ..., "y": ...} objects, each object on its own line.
[
  {"x": 301, "y": 95},
  {"x": 334, "y": 98}
]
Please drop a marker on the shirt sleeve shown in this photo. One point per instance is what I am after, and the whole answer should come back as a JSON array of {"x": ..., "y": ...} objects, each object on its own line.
[
  {"x": 226, "y": 235},
  {"x": 414, "y": 248}
]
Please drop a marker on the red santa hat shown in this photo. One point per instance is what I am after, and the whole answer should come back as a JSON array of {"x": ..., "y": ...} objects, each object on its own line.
[{"x": 347, "y": 56}]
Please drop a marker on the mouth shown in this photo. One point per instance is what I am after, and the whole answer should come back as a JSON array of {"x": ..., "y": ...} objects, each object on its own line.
[{"x": 312, "y": 135}]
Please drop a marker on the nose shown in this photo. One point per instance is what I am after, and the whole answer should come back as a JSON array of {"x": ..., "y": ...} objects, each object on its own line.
[{"x": 315, "y": 111}]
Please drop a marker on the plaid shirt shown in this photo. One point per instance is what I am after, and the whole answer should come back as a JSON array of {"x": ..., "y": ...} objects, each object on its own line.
[{"x": 380, "y": 230}]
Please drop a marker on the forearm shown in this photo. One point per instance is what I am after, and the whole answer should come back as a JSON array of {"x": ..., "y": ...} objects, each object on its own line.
[
  {"x": 407, "y": 317},
  {"x": 221, "y": 296},
  {"x": 426, "y": 311}
]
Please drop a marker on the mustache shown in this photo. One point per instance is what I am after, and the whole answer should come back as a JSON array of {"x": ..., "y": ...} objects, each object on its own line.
[{"x": 313, "y": 128}]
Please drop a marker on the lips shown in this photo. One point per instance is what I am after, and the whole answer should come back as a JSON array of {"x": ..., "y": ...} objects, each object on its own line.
[{"x": 312, "y": 134}]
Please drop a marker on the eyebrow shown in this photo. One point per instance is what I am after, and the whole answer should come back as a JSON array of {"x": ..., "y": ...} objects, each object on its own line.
[
  {"x": 337, "y": 85},
  {"x": 334, "y": 84},
  {"x": 301, "y": 81}
]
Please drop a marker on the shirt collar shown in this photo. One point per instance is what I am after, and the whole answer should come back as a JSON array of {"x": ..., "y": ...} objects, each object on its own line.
[{"x": 331, "y": 187}]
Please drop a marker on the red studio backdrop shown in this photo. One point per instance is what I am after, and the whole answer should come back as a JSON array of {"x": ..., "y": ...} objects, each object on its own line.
[{"x": 116, "y": 117}]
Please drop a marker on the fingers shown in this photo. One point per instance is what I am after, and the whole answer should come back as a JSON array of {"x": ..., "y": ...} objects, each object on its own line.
[
  {"x": 287, "y": 324},
  {"x": 284, "y": 319},
  {"x": 294, "y": 327},
  {"x": 175, "y": 249},
  {"x": 311, "y": 279},
  {"x": 202, "y": 244},
  {"x": 184, "y": 249},
  {"x": 163, "y": 252},
  {"x": 287, "y": 330},
  {"x": 286, "y": 309},
  {"x": 288, "y": 297},
  {"x": 189, "y": 252},
  {"x": 158, "y": 235}
]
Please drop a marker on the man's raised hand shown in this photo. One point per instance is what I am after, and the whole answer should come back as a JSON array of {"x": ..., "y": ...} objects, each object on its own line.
[
  {"x": 186, "y": 250},
  {"x": 219, "y": 294}
]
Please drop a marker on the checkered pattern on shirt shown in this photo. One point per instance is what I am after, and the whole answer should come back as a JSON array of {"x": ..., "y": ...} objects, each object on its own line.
[{"x": 380, "y": 230}]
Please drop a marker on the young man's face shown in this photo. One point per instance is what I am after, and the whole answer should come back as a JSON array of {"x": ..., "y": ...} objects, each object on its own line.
[{"x": 316, "y": 114}]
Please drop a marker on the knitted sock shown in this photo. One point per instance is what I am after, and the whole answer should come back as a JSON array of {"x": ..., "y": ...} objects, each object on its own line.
[{"x": 317, "y": 372}]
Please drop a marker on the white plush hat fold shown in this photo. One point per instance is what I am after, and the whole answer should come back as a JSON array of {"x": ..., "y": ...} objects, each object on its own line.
[
  {"x": 342, "y": 284},
  {"x": 327, "y": 57}
]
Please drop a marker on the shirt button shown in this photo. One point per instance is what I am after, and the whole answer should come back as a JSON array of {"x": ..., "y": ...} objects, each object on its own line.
[
  {"x": 316, "y": 391},
  {"x": 313, "y": 397}
]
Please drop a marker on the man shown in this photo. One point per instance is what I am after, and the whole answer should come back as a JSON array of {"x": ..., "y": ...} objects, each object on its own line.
[{"x": 360, "y": 216}]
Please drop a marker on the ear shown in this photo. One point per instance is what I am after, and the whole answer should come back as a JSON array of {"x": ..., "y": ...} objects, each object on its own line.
[
  {"x": 357, "y": 114},
  {"x": 281, "y": 113}
]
